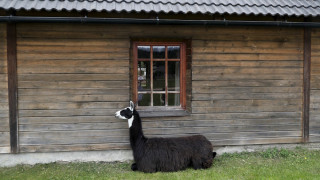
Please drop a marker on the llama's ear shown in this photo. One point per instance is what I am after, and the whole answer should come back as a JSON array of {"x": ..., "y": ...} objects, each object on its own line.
[{"x": 131, "y": 105}]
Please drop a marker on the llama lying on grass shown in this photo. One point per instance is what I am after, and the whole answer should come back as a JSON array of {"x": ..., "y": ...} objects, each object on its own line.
[{"x": 165, "y": 154}]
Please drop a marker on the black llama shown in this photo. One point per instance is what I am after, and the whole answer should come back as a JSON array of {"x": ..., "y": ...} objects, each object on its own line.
[{"x": 165, "y": 154}]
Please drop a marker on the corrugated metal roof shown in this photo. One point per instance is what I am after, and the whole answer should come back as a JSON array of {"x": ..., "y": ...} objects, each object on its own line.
[{"x": 239, "y": 7}]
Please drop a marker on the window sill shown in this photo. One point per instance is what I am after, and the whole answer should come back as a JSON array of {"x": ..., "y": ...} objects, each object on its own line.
[{"x": 162, "y": 112}]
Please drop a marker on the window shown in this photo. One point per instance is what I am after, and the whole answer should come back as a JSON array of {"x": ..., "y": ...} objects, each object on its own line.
[{"x": 159, "y": 75}]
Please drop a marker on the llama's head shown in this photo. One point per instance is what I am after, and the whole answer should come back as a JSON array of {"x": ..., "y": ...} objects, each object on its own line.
[{"x": 126, "y": 114}]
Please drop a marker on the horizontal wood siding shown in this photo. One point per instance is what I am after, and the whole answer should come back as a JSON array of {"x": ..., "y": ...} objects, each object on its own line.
[
  {"x": 71, "y": 79},
  {"x": 245, "y": 86},
  {"x": 4, "y": 108},
  {"x": 315, "y": 87}
]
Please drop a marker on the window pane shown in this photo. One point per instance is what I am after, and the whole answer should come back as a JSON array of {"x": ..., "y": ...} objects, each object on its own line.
[
  {"x": 144, "y": 52},
  {"x": 173, "y": 99},
  {"x": 159, "y": 99},
  {"x": 173, "y": 52},
  {"x": 159, "y": 52},
  {"x": 173, "y": 76},
  {"x": 144, "y": 81},
  {"x": 144, "y": 99},
  {"x": 159, "y": 76}
]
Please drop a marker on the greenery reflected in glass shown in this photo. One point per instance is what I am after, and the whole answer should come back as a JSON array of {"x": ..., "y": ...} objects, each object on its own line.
[
  {"x": 173, "y": 99},
  {"x": 159, "y": 99},
  {"x": 144, "y": 79},
  {"x": 144, "y": 99}
]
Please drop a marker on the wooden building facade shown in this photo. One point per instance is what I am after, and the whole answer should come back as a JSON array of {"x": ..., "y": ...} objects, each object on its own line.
[{"x": 61, "y": 84}]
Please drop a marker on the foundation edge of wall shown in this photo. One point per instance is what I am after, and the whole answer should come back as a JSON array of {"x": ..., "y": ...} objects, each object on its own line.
[{"x": 10, "y": 160}]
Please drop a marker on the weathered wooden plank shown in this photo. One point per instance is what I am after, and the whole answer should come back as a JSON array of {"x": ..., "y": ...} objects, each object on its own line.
[
  {"x": 245, "y": 96},
  {"x": 207, "y": 70},
  {"x": 71, "y": 49},
  {"x": 72, "y": 70},
  {"x": 29, "y": 63},
  {"x": 227, "y": 103},
  {"x": 223, "y": 90},
  {"x": 306, "y": 83},
  {"x": 250, "y": 83},
  {"x": 4, "y": 106},
  {"x": 256, "y": 135},
  {"x": 252, "y": 115},
  {"x": 247, "y": 57},
  {"x": 72, "y": 34},
  {"x": 74, "y": 140},
  {"x": 68, "y": 120},
  {"x": 73, "y": 84},
  {"x": 249, "y": 43},
  {"x": 4, "y": 150},
  {"x": 111, "y": 136},
  {"x": 221, "y": 76},
  {"x": 74, "y": 42},
  {"x": 74, "y": 147},
  {"x": 257, "y": 141},
  {"x": 112, "y": 123},
  {"x": 60, "y": 135},
  {"x": 74, "y": 56},
  {"x": 266, "y": 64},
  {"x": 84, "y": 97},
  {"x": 73, "y": 77},
  {"x": 5, "y": 139},
  {"x": 4, "y": 109},
  {"x": 314, "y": 115},
  {"x": 244, "y": 109},
  {"x": 4, "y": 127},
  {"x": 71, "y": 105},
  {"x": 12, "y": 85},
  {"x": 73, "y": 126},
  {"x": 67, "y": 112},
  {"x": 50, "y": 92},
  {"x": 249, "y": 37},
  {"x": 249, "y": 50}
]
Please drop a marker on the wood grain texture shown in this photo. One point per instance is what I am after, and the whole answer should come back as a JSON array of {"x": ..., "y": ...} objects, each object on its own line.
[
  {"x": 12, "y": 85},
  {"x": 246, "y": 82},
  {"x": 314, "y": 117},
  {"x": 244, "y": 85},
  {"x": 4, "y": 107},
  {"x": 306, "y": 83}
]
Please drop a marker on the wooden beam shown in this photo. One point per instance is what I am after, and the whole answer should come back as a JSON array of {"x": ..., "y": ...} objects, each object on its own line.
[
  {"x": 12, "y": 85},
  {"x": 306, "y": 83}
]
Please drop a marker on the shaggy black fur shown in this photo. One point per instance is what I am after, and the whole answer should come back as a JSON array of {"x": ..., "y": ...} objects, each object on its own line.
[{"x": 166, "y": 154}]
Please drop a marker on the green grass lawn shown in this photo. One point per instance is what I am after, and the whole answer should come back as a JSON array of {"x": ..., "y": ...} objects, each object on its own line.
[{"x": 269, "y": 164}]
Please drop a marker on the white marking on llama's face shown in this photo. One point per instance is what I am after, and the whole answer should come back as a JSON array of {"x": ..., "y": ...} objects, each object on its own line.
[
  {"x": 126, "y": 114},
  {"x": 119, "y": 116}
]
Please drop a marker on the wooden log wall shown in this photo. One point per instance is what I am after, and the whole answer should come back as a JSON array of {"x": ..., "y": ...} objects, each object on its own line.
[
  {"x": 246, "y": 85},
  {"x": 315, "y": 87},
  {"x": 71, "y": 79},
  {"x": 4, "y": 108}
]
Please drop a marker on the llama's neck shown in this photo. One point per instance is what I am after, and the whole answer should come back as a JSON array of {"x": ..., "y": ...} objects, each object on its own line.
[{"x": 136, "y": 133}]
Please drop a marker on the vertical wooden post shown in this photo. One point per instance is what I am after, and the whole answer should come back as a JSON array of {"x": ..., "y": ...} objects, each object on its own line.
[
  {"x": 12, "y": 85},
  {"x": 306, "y": 82}
]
